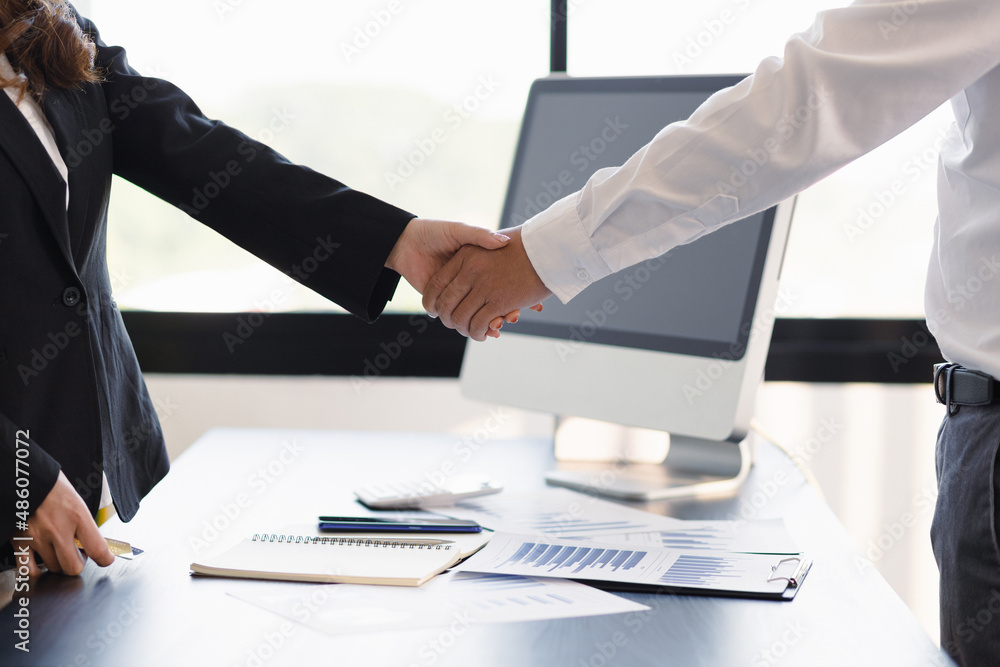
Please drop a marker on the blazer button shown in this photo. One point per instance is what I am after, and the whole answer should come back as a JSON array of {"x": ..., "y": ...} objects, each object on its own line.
[{"x": 71, "y": 296}]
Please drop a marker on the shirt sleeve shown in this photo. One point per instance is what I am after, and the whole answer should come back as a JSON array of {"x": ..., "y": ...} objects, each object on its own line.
[{"x": 859, "y": 76}]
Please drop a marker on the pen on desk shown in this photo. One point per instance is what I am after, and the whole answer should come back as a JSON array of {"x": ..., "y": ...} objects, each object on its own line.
[{"x": 117, "y": 547}]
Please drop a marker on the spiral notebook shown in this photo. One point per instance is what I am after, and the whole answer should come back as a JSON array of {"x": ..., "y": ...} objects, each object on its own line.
[{"x": 340, "y": 559}]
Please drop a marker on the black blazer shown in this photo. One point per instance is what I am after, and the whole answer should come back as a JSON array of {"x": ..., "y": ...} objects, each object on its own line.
[{"x": 70, "y": 389}]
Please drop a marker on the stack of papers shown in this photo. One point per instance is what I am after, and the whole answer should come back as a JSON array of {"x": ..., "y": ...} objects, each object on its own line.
[
  {"x": 545, "y": 545},
  {"x": 564, "y": 514},
  {"x": 562, "y": 534}
]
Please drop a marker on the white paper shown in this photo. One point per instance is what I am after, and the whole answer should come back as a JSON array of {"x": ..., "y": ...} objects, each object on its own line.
[
  {"x": 565, "y": 514},
  {"x": 559, "y": 513},
  {"x": 767, "y": 536},
  {"x": 614, "y": 562},
  {"x": 464, "y": 598}
]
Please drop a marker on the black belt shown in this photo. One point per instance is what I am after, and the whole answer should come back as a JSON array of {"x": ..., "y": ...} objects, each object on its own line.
[{"x": 955, "y": 386}]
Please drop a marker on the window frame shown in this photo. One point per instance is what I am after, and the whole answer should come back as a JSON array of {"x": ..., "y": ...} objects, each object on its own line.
[
  {"x": 888, "y": 351},
  {"x": 840, "y": 350}
]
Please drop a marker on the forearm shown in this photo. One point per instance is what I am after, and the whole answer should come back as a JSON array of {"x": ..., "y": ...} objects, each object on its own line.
[
  {"x": 27, "y": 474},
  {"x": 858, "y": 77}
]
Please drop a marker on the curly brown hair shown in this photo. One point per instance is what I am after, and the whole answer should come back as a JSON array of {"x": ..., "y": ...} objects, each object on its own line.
[{"x": 43, "y": 41}]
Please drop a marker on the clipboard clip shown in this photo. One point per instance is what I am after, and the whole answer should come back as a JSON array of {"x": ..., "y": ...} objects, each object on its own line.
[{"x": 792, "y": 579}]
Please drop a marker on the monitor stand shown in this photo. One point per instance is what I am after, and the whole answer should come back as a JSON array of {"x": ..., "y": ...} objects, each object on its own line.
[{"x": 693, "y": 468}]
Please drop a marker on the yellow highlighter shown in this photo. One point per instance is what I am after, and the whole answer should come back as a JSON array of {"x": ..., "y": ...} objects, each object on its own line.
[{"x": 118, "y": 548}]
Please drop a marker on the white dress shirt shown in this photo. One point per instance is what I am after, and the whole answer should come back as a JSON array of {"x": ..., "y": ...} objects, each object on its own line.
[{"x": 859, "y": 76}]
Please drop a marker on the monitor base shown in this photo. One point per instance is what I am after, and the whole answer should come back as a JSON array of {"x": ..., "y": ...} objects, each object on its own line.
[{"x": 693, "y": 468}]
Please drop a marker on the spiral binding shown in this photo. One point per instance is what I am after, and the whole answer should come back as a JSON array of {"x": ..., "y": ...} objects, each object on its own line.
[{"x": 345, "y": 541}]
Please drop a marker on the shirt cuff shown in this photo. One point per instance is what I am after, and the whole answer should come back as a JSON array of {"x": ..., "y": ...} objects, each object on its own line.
[{"x": 560, "y": 250}]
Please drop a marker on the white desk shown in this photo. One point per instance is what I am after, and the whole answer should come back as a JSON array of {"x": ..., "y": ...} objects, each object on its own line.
[{"x": 150, "y": 611}]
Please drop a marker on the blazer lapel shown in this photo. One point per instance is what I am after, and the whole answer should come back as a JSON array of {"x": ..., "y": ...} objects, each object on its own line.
[
  {"x": 26, "y": 152},
  {"x": 68, "y": 117}
]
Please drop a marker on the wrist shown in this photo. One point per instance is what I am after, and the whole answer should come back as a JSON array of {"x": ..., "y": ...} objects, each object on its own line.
[{"x": 402, "y": 247}]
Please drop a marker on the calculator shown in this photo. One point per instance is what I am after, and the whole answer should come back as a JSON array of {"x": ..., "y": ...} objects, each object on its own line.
[{"x": 411, "y": 494}]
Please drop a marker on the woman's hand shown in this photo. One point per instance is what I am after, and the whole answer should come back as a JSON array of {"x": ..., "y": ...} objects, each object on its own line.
[{"x": 59, "y": 521}]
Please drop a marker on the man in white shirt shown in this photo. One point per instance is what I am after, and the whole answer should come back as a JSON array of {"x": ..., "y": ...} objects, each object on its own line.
[{"x": 859, "y": 76}]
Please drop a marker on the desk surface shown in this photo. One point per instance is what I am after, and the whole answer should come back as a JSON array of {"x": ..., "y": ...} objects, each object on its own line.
[{"x": 231, "y": 482}]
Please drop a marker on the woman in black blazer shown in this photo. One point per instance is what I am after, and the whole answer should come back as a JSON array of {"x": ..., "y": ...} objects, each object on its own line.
[{"x": 73, "y": 404}]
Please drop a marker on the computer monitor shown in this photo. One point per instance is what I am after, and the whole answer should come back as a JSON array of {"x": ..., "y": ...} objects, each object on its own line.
[{"x": 676, "y": 344}]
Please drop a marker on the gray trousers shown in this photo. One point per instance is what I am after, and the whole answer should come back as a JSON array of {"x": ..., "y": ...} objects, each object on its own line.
[{"x": 965, "y": 532}]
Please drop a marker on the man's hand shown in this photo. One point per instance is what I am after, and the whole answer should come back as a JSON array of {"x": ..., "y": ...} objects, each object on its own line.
[
  {"x": 476, "y": 287},
  {"x": 426, "y": 245},
  {"x": 59, "y": 520}
]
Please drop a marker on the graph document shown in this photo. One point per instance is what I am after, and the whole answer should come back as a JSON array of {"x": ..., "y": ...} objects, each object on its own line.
[{"x": 652, "y": 568}]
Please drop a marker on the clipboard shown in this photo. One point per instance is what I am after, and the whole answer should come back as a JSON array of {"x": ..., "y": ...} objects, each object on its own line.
[
  {"x": 640, "y": 568},
  {"x": 791, "y": 569},
  {"x": 796, "y": 568}
]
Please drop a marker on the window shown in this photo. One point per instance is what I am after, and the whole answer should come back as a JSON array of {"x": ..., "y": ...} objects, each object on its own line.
[{"x": 418, "y": 104}]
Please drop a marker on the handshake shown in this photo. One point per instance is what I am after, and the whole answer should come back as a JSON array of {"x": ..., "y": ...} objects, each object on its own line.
[{"x": 473, "y": 279}]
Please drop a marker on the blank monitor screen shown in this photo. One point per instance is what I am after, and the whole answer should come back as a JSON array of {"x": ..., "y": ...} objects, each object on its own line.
[{"x": 696, "y": 300}]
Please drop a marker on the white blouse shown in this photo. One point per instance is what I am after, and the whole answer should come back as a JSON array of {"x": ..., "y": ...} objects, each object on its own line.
[{"x": 33, "y": 113}]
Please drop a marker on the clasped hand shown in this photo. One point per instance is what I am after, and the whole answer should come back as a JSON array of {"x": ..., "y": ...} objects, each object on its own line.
[
  {"x": 473, "y": 279},
  {"x": 477, "y": 290}
]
